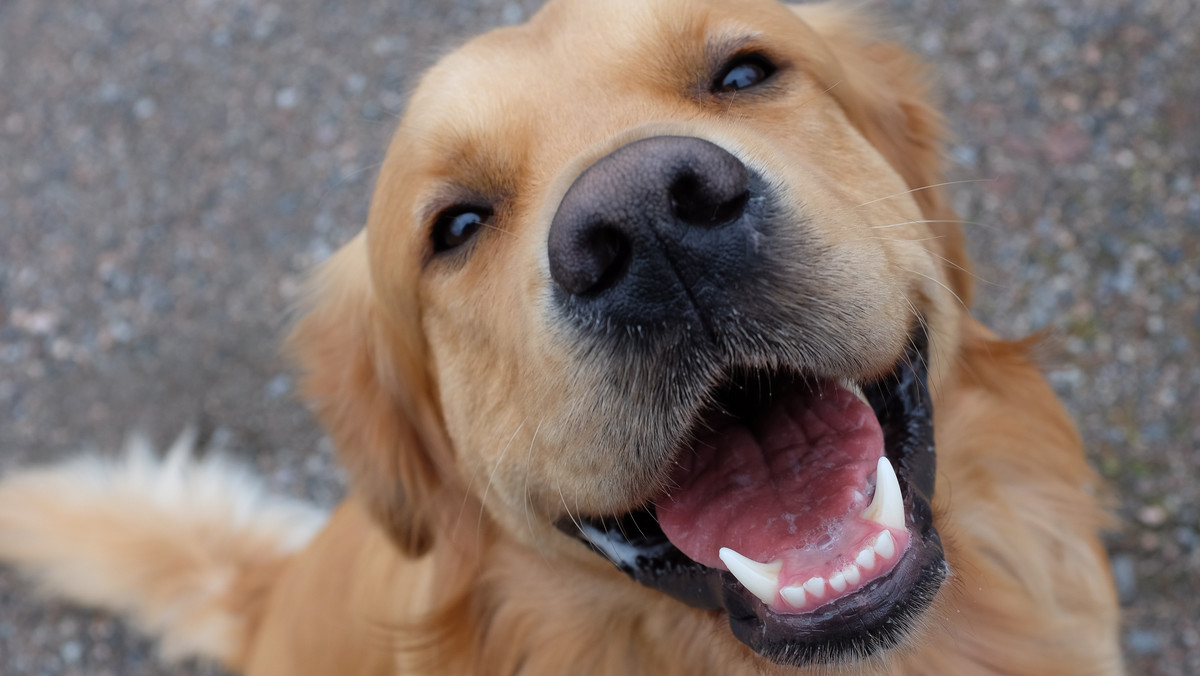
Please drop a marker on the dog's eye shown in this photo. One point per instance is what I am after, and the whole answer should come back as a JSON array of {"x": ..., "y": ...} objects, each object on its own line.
[
  {"x": 457, "y": 225},
  {"x": 742, "y": 72}
]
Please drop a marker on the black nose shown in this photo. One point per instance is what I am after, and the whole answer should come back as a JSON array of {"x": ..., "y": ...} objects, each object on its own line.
[{"x": 656, "y": 230}]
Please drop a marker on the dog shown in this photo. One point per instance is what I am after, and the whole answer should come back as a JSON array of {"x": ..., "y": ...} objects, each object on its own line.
[{"x": 654, "y": 357}]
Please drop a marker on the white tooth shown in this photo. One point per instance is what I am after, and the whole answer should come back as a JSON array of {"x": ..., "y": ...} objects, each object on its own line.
[
  {"x": 762, "y": 579},
  {"x": 852, "y": 574},
  {"x": 837, "y": 582},
  {"x": 816, "y": 587},
  {"x": 866, "y": 559},
  {"x": 885, "y": 546},
  {"x": 854, "y": 389},
  {"x": 887, "y": 507},
  {"x": 794, "y": 595}
]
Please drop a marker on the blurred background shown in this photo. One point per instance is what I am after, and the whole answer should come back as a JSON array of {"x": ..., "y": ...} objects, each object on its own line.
[{"x": 170, "y": 170}]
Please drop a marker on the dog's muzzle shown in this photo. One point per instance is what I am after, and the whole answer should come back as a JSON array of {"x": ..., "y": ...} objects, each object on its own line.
[{"x": 798, "y": 499}]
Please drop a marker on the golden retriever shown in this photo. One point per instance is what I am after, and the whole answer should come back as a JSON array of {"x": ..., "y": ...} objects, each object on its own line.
[{"x": 654, "y": 357}]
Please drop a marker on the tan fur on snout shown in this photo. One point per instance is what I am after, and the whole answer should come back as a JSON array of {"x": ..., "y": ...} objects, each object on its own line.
[{"x": 474, "y": 414}]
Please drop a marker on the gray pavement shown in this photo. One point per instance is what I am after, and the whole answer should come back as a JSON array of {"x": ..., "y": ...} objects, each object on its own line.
[{"x": 169, "y": 170}]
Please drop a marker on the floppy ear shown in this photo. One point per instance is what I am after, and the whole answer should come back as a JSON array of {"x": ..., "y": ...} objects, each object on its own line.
[
  {"x": 365, "y": 379},
  {"x": 882, "y": 87}
]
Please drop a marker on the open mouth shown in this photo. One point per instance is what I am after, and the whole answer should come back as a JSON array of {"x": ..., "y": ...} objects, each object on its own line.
[{"x": 800, "y": 506}]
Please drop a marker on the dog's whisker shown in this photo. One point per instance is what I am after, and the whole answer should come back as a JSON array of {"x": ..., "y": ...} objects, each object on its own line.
[
  {"x": 364, "y": 169},
  {"x": 528, "y": 471},
  {"x": 960, "y": 268},
  {"x": 621, "y": 530},
  {"x": 925, "y": 187},
  {"x": 911, "y": 306},
  {"x": 905, "y": 239},
  {"x": 932, "y": 220},
  {"x": 462, "y": 508},
  {"x": 924, "y": 324},
  {"x": 814, "y": 97},
  {"x": 941, "y": 284},
  {"x": 578, "y": 522},
  {"x": 497, "y": 228},
  {"x": 492, "y": 478}
]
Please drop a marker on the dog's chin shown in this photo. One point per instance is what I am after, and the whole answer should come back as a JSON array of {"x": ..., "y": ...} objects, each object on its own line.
[{"x": 800, "y": 507}]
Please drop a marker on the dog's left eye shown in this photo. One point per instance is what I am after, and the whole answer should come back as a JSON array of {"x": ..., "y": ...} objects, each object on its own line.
[
  {"x": 742, "y": 72},
  {"x": 457, "y": 225}
]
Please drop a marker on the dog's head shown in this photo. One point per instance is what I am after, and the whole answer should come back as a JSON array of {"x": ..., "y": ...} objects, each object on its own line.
[{"x": 671, "y": 278}]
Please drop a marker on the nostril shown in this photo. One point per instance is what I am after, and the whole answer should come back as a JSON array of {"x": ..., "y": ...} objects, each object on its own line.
[
  {"x": 611, "y": 253},
  {"x": 700, "y": 203},
  {"x": 596, "y": 260}
]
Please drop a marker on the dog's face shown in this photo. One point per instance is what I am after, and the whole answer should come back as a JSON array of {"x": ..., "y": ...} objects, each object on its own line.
[{"x": 671, "y": 267}]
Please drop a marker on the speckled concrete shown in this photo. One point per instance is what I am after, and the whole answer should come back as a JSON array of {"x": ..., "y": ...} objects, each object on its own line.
[{"x": 170, "y": 169}]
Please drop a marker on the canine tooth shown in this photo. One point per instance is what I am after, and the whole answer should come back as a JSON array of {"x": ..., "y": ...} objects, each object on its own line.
[
  {"x": 837, "y": 582},
  {"x": 866, "y": 558},
  {"x": 854, "y": 389},
  {"x": 851, "y": 573},
  {"x": 816, "y": 587},
  {"x": 887, "y": 506},
  {"x": 885, "y": 546},
  {"x": 794, "y": 595},
  {"x": 761, "y": 579}
]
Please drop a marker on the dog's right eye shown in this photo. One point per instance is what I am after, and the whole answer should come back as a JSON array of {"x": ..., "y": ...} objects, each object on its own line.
[
  {"x": 457, "y": 225},
  {"x": 743, "y": 72}
]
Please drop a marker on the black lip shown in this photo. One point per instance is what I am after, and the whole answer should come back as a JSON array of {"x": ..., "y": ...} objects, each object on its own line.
[{"x": 873, "y": 618}]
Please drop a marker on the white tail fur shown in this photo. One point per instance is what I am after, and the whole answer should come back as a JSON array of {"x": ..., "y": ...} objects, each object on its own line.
[{"x": 185, "y": 548}]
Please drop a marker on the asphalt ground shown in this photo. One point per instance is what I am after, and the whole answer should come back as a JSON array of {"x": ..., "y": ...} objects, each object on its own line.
[{"x": 170, "y": 170}]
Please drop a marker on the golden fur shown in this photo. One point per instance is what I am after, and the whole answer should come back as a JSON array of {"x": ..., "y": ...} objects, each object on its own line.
[{"x": 469, "y": 426}]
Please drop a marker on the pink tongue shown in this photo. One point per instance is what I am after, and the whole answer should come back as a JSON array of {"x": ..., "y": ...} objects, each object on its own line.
[{"x": 789, "y": 481}]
